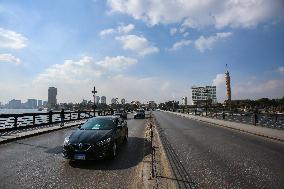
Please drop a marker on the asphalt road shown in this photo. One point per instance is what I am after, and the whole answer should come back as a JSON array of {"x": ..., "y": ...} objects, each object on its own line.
[
  {"x": 214, "y": 157},
  {"x": 37, "y": 163}
]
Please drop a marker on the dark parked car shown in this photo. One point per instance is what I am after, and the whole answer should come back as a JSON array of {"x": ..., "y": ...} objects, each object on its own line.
[
  {"x": 121, "y": 113},
  {"x": 99, "y": 137},
  {"x": 140, "y": 113}
]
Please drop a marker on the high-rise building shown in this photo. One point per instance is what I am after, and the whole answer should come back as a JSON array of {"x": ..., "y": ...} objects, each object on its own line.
[
  {"x": 184, "y": 100},
  {"x": 103, "y": 100},
  {"x": 15, "y": 104},
  {"x": 113, "y": 101},
  {"x": 39, "y": 103},
  {"x": 123, "y": 101},
  {"x": 31, "y": 103},
  {"x": 203, "y": 95},
  {"x": 228, "y": 86},
  {"x": 44, "y": 103},
  {"x": 98, "y": 99},
  {"x": 52, "y": 92}
]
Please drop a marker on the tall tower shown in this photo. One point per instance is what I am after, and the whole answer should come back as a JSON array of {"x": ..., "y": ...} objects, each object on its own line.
[
  {"x": 228, "y": 85},
  {"x": 52, "y": 92}
]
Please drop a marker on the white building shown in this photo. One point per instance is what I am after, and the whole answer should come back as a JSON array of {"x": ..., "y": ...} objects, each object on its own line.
[
  {"x": 201, "y": 95},
  {"x": 98, "y": 99},
  {"x": 103, "y": 100}
]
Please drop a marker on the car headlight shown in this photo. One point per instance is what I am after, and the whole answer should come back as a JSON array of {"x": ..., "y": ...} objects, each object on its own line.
[
  {"x": 66, "y": 141},
  {"x": 104, "y": 142}
]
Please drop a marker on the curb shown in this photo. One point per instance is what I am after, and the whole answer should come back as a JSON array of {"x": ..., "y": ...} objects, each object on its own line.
[
  {"x": 37, "y": 133},
  {"x": 232, "y": 128}
]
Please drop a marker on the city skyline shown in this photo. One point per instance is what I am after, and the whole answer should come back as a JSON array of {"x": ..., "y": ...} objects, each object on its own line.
[{"x": 132, "y": 51}]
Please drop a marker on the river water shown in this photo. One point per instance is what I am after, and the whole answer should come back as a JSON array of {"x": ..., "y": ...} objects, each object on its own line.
[{"x": 19, "y": 111}]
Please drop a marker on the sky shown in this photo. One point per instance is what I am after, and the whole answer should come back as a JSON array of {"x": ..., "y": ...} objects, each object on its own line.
[{"x": 140, "y": 49}]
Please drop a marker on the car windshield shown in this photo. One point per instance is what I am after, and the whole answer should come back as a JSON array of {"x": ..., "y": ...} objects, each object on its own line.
[
  {"x": 98, "y": 124},
  {"x": 140, "y": 111}
]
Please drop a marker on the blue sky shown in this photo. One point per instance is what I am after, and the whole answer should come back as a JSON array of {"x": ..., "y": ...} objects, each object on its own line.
[{"x": 140, "y": 50}]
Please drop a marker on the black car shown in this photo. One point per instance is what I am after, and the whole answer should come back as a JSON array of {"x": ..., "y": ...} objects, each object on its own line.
[
  {"x": 99, "y": 137},
  {"x": 140, "y": 113},
  {"x": 121, "y": 113}
]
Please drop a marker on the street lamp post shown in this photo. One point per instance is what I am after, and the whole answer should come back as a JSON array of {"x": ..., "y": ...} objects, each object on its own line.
[{"x": 94, "y": 95}]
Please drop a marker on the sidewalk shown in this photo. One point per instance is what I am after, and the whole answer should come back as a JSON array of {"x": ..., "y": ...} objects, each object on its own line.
[
  {"x": 255, "y": 130},
  {"x": 30, "y": 133}
]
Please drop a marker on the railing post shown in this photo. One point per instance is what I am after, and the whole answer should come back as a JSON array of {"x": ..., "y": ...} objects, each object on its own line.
[
  {"x": 50, "y": 117},
  {"x": 33, "y": 119},
  {"x": 15, "y": 121},
  {"x": 78, "y": 115}
]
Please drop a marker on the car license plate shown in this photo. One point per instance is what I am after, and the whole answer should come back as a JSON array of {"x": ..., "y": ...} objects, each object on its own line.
[{"x": 79, "y": 156}]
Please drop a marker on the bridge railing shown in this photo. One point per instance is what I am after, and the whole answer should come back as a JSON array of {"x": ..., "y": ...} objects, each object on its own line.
[
  {"x": 29, "y": 120},
  {"x": 263, "y": 119}
]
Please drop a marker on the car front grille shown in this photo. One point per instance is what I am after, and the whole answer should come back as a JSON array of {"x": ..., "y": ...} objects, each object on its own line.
[{"x": 81, "y": 147}]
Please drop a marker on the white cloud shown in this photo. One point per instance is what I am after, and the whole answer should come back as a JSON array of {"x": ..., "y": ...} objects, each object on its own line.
[
  {"x": 125, "y": 29},
  {"x": 185, "y": 34},
  {"x": 9, "y": 58},
  {"x": 281, "y": 69},
  {"x": 219, "y": 82},
  {"x": 173, "y": 31},
  {"x": 85, "y": 69},
  {"x": 254, "y": 89},
  {"x": 118, "y": 62},
  {"x": 138, "y": 44},
  {"x": 107, "y": 32},
  {"x": 74, "y": 80},
  {"x": 203, "y": 43},
  {"x": 122, "y": 29},
  {"x": 201, "y": 13},
  {"x": 180, "y": 44},
  {"x": 12, "y": 40}
]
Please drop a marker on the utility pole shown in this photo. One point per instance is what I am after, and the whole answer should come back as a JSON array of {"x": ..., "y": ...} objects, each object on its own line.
[{"x": 94, "y": 95}]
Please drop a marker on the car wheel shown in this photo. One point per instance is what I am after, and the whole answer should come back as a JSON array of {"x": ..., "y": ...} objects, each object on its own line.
[{"x": 114, "y": 150}]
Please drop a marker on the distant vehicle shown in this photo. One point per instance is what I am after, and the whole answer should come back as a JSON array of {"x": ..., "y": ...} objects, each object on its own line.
[
  {"x": 140, "y": 113},
  {"x": 98, "y": 138},
  {"x": 121, "y": 113}
]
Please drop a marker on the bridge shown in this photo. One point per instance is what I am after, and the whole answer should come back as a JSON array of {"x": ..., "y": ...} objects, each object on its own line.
[{"x": 165, "y": 150}]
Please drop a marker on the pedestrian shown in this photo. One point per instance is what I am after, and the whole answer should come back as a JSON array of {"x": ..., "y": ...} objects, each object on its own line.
[
  {"x": 276, "y": 118},
  {"x": 62, "y": 116},
  {"x": 223, "y": 115},
  {"x": 255, "y": 118}
]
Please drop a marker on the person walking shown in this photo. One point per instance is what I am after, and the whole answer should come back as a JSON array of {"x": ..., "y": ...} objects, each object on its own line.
[
  {"x": 62, "y": 116},
  {"x": 223, "y": 115},
  {"x": 255, "y": 118}
]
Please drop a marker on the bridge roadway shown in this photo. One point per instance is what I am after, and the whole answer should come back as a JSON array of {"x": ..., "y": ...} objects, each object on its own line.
[
  {"x": 37, "y": 163},
  {"x": 216, "y": 157}
]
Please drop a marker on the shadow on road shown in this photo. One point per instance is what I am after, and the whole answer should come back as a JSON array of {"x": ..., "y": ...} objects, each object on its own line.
[{"x": 129, "y": 155}]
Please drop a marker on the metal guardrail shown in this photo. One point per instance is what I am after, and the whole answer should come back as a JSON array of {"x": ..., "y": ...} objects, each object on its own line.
[
  {"x": 9, "y": 122},
  {"x": 264, "y": 120}
]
